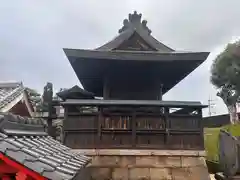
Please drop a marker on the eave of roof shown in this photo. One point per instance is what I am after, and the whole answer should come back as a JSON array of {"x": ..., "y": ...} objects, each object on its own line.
[
  {"x": 175, "y": 104},
  {"x": 90, "y": 64},
  {"x": 74, "y": 54}
]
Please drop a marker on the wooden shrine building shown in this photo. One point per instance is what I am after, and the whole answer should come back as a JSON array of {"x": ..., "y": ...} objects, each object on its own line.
[{"x": 130, "y": 74}]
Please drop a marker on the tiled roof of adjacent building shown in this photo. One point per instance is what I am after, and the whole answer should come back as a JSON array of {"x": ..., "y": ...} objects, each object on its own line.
[
  {"x": 25, "y": 141},
  {"x": 10, "y": 94},
  {"x": 75, "y": 92}
]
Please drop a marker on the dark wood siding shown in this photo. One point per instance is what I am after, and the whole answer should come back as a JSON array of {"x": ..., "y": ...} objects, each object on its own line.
[
  {"x": 216, "y": 121},
  {"x": 133, "y": 128},
  {"x": 130, "y": 86}
]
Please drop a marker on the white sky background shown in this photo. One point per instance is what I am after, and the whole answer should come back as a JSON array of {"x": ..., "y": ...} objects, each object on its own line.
[{"x": 33, "y": 33}]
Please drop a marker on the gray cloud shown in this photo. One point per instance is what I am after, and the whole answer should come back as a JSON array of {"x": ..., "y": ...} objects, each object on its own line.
[{"x": 33, "y": 33}]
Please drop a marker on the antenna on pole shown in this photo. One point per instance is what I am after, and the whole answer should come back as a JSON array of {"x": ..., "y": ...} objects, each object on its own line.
[{"x": 211, "y": 107}]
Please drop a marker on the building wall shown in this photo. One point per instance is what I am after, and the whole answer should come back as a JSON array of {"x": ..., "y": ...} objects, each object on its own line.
[
  {"x": 147, "y": 165},
  {"x": 20, "y": 109},
  {"x": 216, "y": 121},
  {"x": 131, "y": 88}
]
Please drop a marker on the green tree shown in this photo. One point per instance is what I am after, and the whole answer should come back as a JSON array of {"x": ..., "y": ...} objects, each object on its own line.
[
  {"x": 47, "y": 104},
  {"x": 34, "y": 97},
  {"x": 225, "y": 76},
  {"x": 32, "y": 92}
]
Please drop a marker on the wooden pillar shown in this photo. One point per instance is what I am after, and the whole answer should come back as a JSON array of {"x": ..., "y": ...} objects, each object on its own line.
[
  {"x": 99, "y": 130},
  {"x": 199, "y": 112},
  {"x": 134, "y": 129},
  {"x": 167, "y": 123},
  {"x": 64, "y": 121},
  {"x": 161, "y": 93}
]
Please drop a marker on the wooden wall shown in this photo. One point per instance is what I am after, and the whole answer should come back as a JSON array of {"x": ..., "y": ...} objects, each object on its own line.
[{"x": 132, "y": 129}]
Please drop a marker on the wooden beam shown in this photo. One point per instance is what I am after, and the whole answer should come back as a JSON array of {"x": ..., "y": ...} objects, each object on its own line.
[
  {"x": 99, "y": 130},
  {"x": 21, "y": 168},
  {"x": 66, "y": 112},
  {"x": 200, "y": 124}
]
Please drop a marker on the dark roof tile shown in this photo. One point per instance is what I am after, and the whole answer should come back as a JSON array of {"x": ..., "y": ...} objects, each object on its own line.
[
  {"x": 9, "y": 146},
  {"x": 57, "y": 175},
  {"x": 56, "y": 159},
  {"x": 66, "y": 170},
  {"x": 65, "y": 155},
  {"x": 79, "y": 165},
  {"x": 60, "y": 157},
  {"x": 48, "y": 161},
  {"x": 130, "y": 27},
  {"x": 69, "y": 166},
  {"x": 38, "y": 141},
  {"x": 38, "y": 166},
  {"x": 75, "y": 93},
  {"x": 25, "y": 143},
  {"x": 19, "y": 156},
  {"x": 3, "y": 146},
  {"x": 30, "y": 141},
  {"x": 9, "y": 92},
  {"x": 38, "y": 152},
  {"x": 31, "y": 152},
  {"x": 14, "y": 142},
  {"x": 2, "y": 135},
  {"x": 46, "y": 150}
]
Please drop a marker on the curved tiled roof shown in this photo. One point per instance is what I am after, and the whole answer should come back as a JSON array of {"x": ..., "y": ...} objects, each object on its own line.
[
  {"x": 24, "y": 141},
  {"x": 134, "y": 25},
  {"x": 9, "y": 92},
  {"x": 75, "y": 92},
  {"x": 118, "y": 40}
]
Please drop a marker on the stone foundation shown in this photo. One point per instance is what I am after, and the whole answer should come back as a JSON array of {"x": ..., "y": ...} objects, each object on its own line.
[{"x": 147, "y": 165}]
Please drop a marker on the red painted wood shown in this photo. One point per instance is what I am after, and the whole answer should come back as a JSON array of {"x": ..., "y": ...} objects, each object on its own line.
[
  {"x": 4, "y": 168},
  {"x": 21, "y": 168},
  {"x": 20, "y": 109},
  {"x": 21, "y": 176},
  {"x": 5, "y": 177}
]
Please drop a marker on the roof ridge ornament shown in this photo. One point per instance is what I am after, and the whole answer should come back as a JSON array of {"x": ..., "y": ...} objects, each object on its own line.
[{"x": 134, "y": 21}]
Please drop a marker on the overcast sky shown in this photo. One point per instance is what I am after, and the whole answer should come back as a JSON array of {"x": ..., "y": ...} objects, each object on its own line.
[{"x": 33, "y": 33}]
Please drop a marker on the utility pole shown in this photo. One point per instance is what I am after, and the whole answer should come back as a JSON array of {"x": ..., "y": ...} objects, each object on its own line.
[{"x": 211, "y": 105}]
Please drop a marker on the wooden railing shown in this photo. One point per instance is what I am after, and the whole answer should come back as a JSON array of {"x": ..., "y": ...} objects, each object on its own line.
[{"x": 132, "y": 129}]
